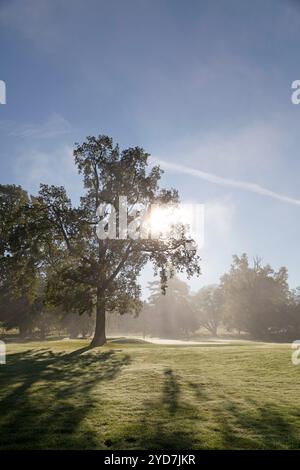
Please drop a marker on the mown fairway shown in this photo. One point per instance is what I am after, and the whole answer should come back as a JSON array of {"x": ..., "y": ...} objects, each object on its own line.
[{"x": 142, "y": 396}]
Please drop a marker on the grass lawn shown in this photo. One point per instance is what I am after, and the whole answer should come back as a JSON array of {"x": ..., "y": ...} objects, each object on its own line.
[{"x": 57, "y": 394}]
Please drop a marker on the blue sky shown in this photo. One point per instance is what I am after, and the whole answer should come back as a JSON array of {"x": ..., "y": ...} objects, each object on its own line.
[{"x": 201, "y": 84}]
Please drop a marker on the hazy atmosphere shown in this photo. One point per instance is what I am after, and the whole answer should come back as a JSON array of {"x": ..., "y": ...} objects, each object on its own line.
[{"x": 149, "y": 225}]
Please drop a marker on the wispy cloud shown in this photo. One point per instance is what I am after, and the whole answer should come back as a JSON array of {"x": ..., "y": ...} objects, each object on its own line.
[
  {"x": 50, "y": 167},
  {"x": 54, "y": 126},
  {"x": 219, "y": 180}
]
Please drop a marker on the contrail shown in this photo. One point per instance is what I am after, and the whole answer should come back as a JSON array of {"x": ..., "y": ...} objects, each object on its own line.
[{"x": 239, "y": 184}]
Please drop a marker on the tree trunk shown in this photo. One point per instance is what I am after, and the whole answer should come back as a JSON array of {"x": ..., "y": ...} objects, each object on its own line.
[
  {"x": 42, "y": 333},
  {"x": 25, "y": 331},
  {"x": 99, "y": 336},
  {"x": 214, "y": 330}
]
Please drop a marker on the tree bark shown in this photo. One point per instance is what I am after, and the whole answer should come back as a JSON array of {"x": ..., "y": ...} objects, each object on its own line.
[{"x": 99, "y": 336}]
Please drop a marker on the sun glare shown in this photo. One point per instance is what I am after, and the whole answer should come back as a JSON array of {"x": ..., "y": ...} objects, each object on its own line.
[{"x": 162, "y": 219}]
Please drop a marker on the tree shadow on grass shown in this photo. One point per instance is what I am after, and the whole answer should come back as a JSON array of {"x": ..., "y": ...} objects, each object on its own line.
[
  {"x": 268, "y": 426},
  {"x": 166, "y": 422},
  {"x": 170, "y": 422},
  {"x": 46, "y": 396}
]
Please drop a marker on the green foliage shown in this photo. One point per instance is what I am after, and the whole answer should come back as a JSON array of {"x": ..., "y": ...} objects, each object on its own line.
[
  {"x": 256, "y": 298},
  {"x": 21, "y": 282}
]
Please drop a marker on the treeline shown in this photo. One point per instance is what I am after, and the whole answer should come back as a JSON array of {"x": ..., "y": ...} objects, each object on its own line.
[
  {"x": 56, "y": 276},
  {"x": 250, "y": 299}
]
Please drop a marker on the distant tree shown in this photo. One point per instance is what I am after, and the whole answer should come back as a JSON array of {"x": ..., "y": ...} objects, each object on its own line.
[
  {"x": 170, "y": 314},
  {"x": 290, "y": 323},
  {"x": 86, "y": 272},
  {"x": 16, "y": 312},
  {"x": 78, "y": 325},
  {"x": 208, "y": 305},
  {"x": 255, "y": 297}
]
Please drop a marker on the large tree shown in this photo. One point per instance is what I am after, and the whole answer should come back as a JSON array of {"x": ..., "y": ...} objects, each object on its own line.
[{"x": 89, "y": 273}]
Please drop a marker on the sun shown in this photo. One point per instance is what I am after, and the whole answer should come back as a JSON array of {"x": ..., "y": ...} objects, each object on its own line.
[{"x": 163, "y": 219}]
